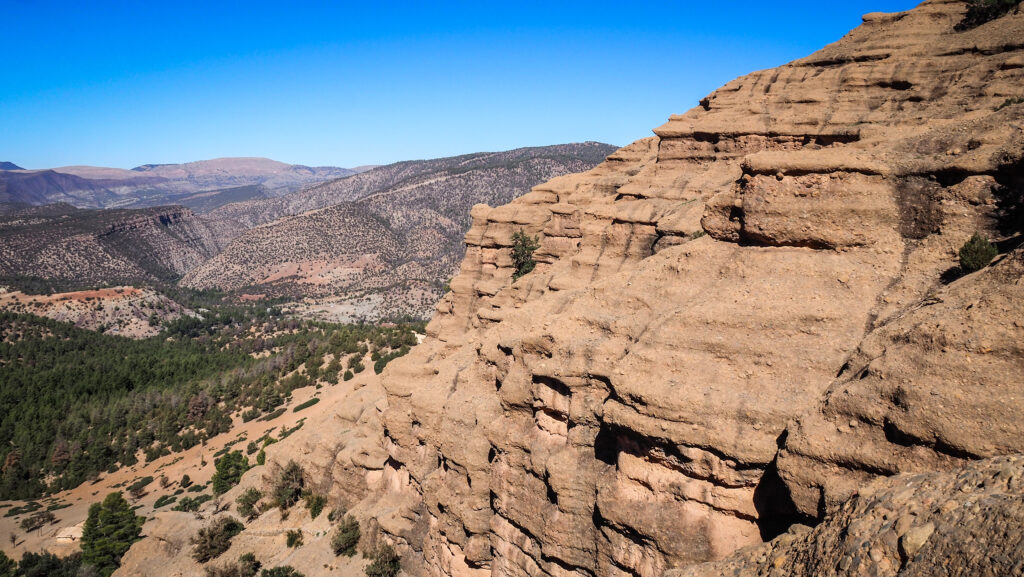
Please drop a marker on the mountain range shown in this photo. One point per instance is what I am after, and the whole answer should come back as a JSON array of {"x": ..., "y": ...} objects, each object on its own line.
[
  {"x": 391, "y": 233},
  {"x": 157, "y": 184}
]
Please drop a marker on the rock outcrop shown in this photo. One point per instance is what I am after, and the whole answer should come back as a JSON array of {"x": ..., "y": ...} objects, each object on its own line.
[{"x": 662, "y": 389}]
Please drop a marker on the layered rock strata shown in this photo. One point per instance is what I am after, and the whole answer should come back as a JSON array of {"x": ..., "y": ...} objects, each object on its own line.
[{"x": 652, "y": 396}]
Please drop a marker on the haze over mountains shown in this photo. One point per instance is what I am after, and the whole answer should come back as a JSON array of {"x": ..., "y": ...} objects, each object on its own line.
[{"x": 157, "y": 184}]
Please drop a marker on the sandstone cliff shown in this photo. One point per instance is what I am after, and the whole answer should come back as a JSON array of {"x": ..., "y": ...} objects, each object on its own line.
[
  {"x": 734, "y": 327},
  {"x": 650, "y": 397}
]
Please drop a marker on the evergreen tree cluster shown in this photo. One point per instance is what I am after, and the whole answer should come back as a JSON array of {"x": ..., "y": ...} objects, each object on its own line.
[{"x": 75, "y": 403}]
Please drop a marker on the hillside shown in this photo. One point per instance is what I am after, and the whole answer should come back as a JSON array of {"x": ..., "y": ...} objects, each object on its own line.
[
  {"x": 80, "y": 247},
  {"x": 157, "y": 184},
  {"x": 122, "y": 310},
  {"x": 393, "y": 233}
]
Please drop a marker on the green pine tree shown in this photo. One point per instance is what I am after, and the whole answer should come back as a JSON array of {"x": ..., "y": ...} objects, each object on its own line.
[
  {"x": 109, "y": 532},
  {"x": 523, "y": 246},
  {"x": 230, "y": 468}
]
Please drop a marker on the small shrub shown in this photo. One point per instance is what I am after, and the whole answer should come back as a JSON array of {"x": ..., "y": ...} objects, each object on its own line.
[
  {"x": 523, "y": 247},
  {"x": 288, "y": 484},
  {"x": 138, "y": 488},
  {"x": 250, "y": 414},
  {"x": 215, "y": 539},
  {"x": 315, "y": 503},
  {"x": 191, "y": 504},
  {"x": 261, "y": 457},
  {"x": 346, "y": 539},
  {"x": 185, "y": 481},
  {"x": 164, "y": 500},
  {"x": 294, "y": 538},
  {"x": 982, "y": 11},
  {"x": 282, "y": 571},
  {"x": 271, "y": 416},
  {"x": 247, "y": 503},
  {"x": 976, "y": 253},
  {"x": 348, "y": 376},
  {"x": 1010, "y": 102},
  {"x": 385, "y": 563},
  {"x": 248, "y": 565},
  {"x": 306, "y": 405},
  {"x": 37, "y": 520},
  {"x": 251, "y": 448}
]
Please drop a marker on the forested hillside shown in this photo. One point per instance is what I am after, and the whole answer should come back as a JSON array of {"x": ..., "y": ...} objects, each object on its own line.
[{"x": 74, "y": 403}]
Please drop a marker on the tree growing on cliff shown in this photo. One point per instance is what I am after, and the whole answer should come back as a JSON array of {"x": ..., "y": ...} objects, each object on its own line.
[
  {"x": 523, "y": 246},
  {"x": 110, "y": 529}
]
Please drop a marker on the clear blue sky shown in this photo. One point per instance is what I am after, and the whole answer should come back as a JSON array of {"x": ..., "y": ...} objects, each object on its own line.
[{"x": 125, "y": 83}]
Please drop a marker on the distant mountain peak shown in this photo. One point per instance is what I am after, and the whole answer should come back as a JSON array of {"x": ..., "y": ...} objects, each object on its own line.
[{"x": 4, "y": 165}]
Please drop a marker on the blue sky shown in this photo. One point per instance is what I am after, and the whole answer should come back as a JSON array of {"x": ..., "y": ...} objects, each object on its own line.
[{"x": 328, "y": 83}]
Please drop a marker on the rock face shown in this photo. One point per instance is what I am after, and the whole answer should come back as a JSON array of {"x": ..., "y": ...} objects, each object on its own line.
[
  {"x": 652, "y": 396},
  {"x": 967, "y": 523}
]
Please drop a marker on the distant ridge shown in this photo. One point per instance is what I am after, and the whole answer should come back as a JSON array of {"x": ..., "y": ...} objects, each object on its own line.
[{"x": 157, "y": 184}]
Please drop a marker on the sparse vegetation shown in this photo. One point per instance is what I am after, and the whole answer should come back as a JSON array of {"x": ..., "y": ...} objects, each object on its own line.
[
  {"x": 294, "y": 538},
  {"x": 346, "y": 538},
  {"x": 215, "y": 539},
  {"x": 247, "y": 503},
  {"x": 287, "y": 486},
  {"x": 523, "y": 247},
  {"x": 246, "y": 566},
  {"x": 315, "y": 503},
  {"x": 976, "y": 253},
  {"x": 282, "y": 571},
  {"x": 386, "y": 562}
]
